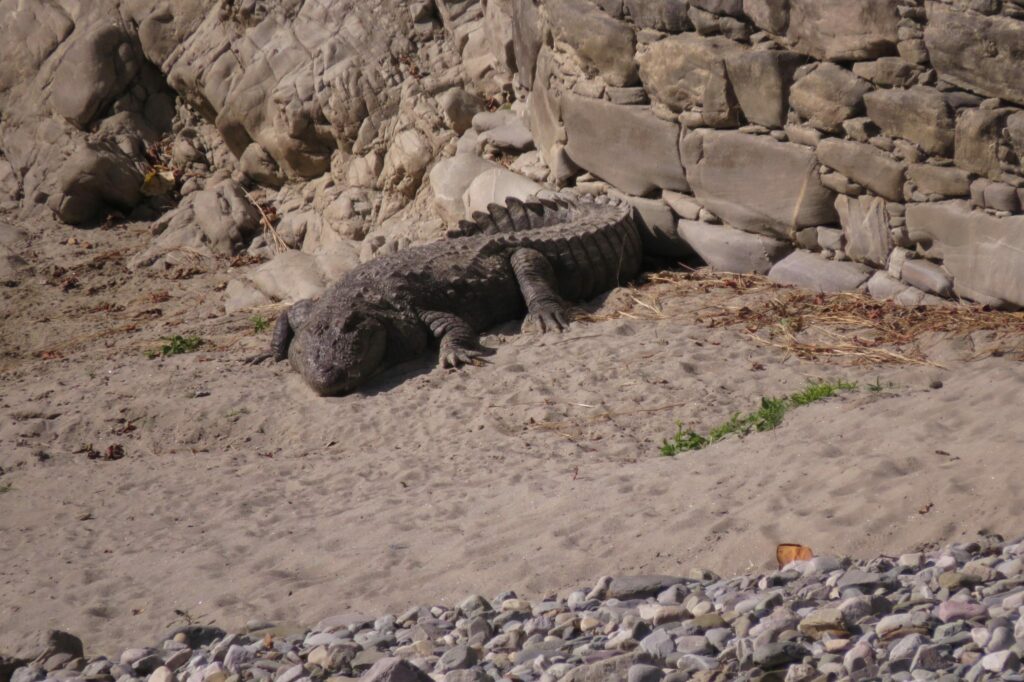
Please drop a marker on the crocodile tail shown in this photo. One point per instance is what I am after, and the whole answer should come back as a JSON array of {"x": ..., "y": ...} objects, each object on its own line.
[{"x": 515, "y": 216}]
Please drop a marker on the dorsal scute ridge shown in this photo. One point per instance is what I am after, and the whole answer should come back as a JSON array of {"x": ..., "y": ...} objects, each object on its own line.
[{"x": 543, "y": 210}]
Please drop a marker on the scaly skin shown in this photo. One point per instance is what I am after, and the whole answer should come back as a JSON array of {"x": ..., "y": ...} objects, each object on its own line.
[{"x": 536, "y": 256}]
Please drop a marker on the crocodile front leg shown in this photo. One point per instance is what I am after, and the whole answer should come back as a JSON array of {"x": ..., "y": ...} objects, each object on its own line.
[
  {"x": 545, "y": 308},
  {"x": 460, "y": 345},
  {"x": 284, "y": 332}
]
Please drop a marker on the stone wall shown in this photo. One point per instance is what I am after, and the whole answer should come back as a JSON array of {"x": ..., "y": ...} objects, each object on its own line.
[{"x": 885, "y": 135}]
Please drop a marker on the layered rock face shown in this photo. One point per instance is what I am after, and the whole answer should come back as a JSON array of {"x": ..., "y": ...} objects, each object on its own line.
[{"x": 884, "y": 134}]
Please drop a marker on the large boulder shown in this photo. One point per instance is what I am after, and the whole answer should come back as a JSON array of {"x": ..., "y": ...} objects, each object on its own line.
[
  {"x": 977, "y": 52},
  {"x": 770, "y": 15},
  {"x": 604, "y": 44},
  {"x": 985, "y": 254},
  {"x": 40, "y": 26},
  {"x": 526, "y": 38},
  {"x": 217, "y": 221},
  {"x": 829, "y": 95},
  {"x": 731, "y": 250},
  {"x": 865, "y": 165},
  {"x": 757, "y": 184},
  {"x": 866, "y": 228},
  {"x": 98, "y": 177},
  {"x": 450, "y": 178},
  {"x": 978, "y": 133},
  {"x": 688, "y": 70},
  {"x": 661, "y": 15},
  {"x": 98, "y": 67},
  {"x": 625, "y": 145},
  {"x": 494, "y": 187},
  {"x": 920, "y": 114},
  {"x": 843, "y": 30},
  {"x": 761, "y": 80},
  {"x": 810, "y": 271}
]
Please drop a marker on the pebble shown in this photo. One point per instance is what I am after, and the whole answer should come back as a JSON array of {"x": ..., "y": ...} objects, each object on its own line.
[{"x": 946, "y": 615}]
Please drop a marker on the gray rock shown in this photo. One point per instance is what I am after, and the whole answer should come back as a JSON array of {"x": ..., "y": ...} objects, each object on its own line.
[
  {"x": 661, "y": 15},
  {"x": 97, "y": 68},
  {"x": 97, "y": 177},
  {"x": 394, "y": 670},
  {"x": 458, "y": 107},
  {"x": 920, "y": 114},
  {"x": 451, "y": 177},
  {"x": 626, "y": 146},
  {"x": 757, "y": 184},
  {"x": 893, "y": 72},
  {"x": 659, "y": 644},
  {"x": 947, "y": 181},
  {"x": 1000, "y": 196},
  {"x": 927, "y": 276},
  {"x": 640, "y": 672},
  {"x": 729, "y": 250},
  {"x": 514, "y": 136},
  {"x": 688, "y": 70},
  {"x": 761, "y": 80},
  {"x": 615, "y": 669},
  {"x": 604, "y": 43},
  {"x": 809, "y": 271},
  {"x": 471, "y": 675},
  {"x": 640, "y": 586},
  {"x": 865, "y": 165},
  {"x": 769, "y": 15},
  {"x": 983, "y": 253},
  {"x": 978, "y": 53},
  {"x": 843, "y": 30},
  {"x": 866, "y": 229},
  {"x": 829, "y": 95},
  {"x": 778, "y": 654},
  {"x": 494, "y": 186},
  {"x": 260, "y": 166},
  {"x": 526, "y": 38},
  {"x": 978, "y": 132},
  {"x": 457, "y": 658}
]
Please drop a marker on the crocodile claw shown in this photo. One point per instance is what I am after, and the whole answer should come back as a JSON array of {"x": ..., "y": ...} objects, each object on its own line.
[
  {"x": 548, "y": 321},
  {"x": 457, "y": 357}
]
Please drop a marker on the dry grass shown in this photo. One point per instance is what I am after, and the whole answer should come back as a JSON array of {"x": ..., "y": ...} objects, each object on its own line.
[{"x": 854, "y": 327}]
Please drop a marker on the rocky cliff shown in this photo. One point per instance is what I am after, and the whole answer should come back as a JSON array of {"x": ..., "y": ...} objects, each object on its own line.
[{"x": 886, "y": 136}]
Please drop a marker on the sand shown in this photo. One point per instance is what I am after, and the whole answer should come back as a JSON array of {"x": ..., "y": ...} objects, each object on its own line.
[{"x": 242, "y": 495}]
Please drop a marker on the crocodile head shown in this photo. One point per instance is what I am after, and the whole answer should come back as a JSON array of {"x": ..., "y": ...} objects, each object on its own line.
[{"x": 336, "y": 353}]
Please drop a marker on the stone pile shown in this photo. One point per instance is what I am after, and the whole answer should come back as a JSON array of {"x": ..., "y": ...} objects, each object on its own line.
[
  {"x": 884, "y": 136},
  {"x": 942, "y": 615}
]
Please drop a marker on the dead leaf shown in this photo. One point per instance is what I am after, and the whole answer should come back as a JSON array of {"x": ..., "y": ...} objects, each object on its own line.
[
  {"x": 158, "y": 182},
  {"x": 786, "y": 553},
  {"x": 927, "y": 508}
]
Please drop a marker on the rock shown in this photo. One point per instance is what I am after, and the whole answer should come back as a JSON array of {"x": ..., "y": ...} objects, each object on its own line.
[
  {"x": 978, "y": 53},
  {"x": 659, "y": 644},
  {"x": 769, "y": 15},
  {"x": 757, "y": 184},
  {"x": 977, "y": 141},
  {"x": 242, "y": 295},
  {"x": 866, "y": 229},
  {"x": 927, "y": 276},
  {"x": 983, "y": 253},
  {"x": 951, "y": 610},
  {"x": 162, "y": 674},
  {"x": 729, "y": 250},
  {"x": 615, "y": 669},
  {"x": 526, "y": 38},
  {"x": 640, "y": 586},
  {"x": 406, "y": 162},
  {"x": 1001, "y": 661},
  {"x": 512, "y": 137},
  {"x": 891, "y": 72},
  {"x": 291, "y": 276},
  {"x": 688, "y": 70},
  {"x": 865, "y": 165},
  {"x": 457, "y": 658},
  {"x": 829, "y": 95},
  {"x": 97, "y": 177},
  {"x": 394, "y": 670},
  {"x": 929, "y": 657},
  {"x": 661, "y": 15},
  {"x": 494, "y": 186},
  {"x": 639, "y": 672},
  {"x": 920, "y": 114},
  {"x": 450, "y": 178},
  {"x": 626, "y": 146},
  {"x": 260, "y": 166},
  {"x": 685, "y": 207},
  {"x": 947, "y": 181},
  {"x": 97, "y": 68},
  {"x": 843, "y": 30},
  {"x": 778, "y": 654},
  {"x": 1000, "y": 196},
  {"x": 602, "y": 43},
  {"x": 809, "y": 271},
  {"x": 761, "y": 80},
  {"x": 821, "y": 622},
  {"x": 458, "y": 108}
]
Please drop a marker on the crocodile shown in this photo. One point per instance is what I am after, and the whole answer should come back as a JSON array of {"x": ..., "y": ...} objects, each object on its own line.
[{"x": 535, "y": 256}]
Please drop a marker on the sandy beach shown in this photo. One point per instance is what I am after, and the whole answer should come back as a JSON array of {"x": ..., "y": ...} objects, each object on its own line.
[{"x": 243, "y": 496}]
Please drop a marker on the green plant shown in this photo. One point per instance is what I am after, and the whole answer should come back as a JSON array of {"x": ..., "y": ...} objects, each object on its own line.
[
  {"x": 766, "y": 418},
  {"x": 878, "y": 386},
  {"x": 259, "y": 323},
  {"x": 6, "y": 488},
  {"x": 176, "y": 345}
]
